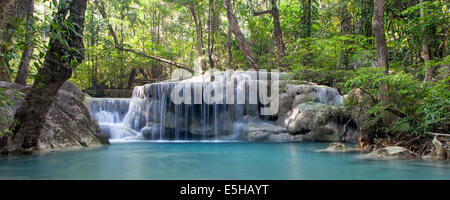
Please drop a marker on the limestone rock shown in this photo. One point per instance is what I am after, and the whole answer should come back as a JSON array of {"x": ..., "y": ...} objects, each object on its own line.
[
  {"x": 338, "y": 147},
  {"x": 321, "y": 122},
  {"x": 68, "y": 125},
  {"x": 391, "y": 153},
  {"x": 438, "y": 151},
  {"x": 252, "y": 129}
]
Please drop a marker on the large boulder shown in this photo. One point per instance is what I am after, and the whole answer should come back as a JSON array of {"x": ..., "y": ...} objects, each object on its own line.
[
  {"x": 68, "y": 125},
  {"x": 439, "y": 151},
  {"x": 337, "y": 147},
  {"x": 320, "y": 122},
  {"x": 256, "y": 130},
  {"x": 391, "y": 153},
  {"x": 316, "y": 112}
]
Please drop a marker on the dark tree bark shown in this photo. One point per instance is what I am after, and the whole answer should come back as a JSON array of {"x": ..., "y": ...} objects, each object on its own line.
[
  {"x": 199, "y": 39},
  {"x": 236, "y": 30},
  {"x": 346, "y": 29},
  {"x": 426, "y": 54},
  {"x": 9, "y": 11},
  {"x": 306, "y": 18},
  {"x": 131, "y": 78},
  {"x": 28, "y": 51},
  {"x": 366, "y": 18},
  {"x": 63, "y": 56},
  {"x": 380, "y": 37},
  {"x": 382, "y": 56},
  {"x": 277, "y": 31},
  {"x": 213, "y": 18},
  {"x": 211, "y": 30},
  {"x": 230, "y": 54}
]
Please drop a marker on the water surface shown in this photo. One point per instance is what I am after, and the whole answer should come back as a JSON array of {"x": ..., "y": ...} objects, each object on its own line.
[{"x": 213, "y": 160}]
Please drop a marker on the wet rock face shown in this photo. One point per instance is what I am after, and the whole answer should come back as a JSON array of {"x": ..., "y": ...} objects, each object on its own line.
[
  {"x": 439, "y": 151},
  {"x": 320, "y": 122},
  {"x": 315, "y": 112},
  {"x": 256, "y": 130},
  {"x": 68, "y": 125},
  {"x": 391, "y": 153}
]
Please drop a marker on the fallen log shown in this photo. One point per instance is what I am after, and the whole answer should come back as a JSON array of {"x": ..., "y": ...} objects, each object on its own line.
[{"x": 438, "y": 134}]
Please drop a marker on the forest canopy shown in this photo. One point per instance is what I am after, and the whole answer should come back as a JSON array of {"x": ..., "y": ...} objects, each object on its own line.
[{"x": 322, "y": 40}]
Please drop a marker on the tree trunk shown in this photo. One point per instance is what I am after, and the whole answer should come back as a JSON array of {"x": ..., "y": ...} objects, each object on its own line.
[
  {"x": 277, "y": 32},
  {"x": 366, "y": 18},
  {"x": 306, "y": 18},
  {"x": 382, "y": 56},
  {"x": 9, "y": 11},
  {"x": 230, "y": 54},
  {"x": 31, "y": 115},
  {"x": 199, "y": 40},
  {"x": 28, "y": 51},
  {"x": 380, "y": 37},
  {"x": 211, "y": 31},
  {"x": 346, "y": 29},
  {"x": 131, "y": 78},
  {"x": 236, "y": 30},
  {"x": 429, "y": 69}
]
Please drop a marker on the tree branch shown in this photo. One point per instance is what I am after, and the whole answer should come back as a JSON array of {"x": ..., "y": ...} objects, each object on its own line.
[
  {"x": 438, "y": 134},
  {"x": 396, "y": 112},
  {"x": 101, "y": 8},
  {"x": 156, "y": 58},
  {"x": 255, "y": 13},
  {"x": 258, "y": 13}
]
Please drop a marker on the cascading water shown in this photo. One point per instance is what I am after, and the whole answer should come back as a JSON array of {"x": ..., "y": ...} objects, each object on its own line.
[{"x": 152, "y": 115}]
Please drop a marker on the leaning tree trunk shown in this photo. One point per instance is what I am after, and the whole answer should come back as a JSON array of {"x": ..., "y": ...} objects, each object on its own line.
[
  {"x": 62, "y": 57},
  {"x": 28, "y": 51},
  {"x": 236, "y": 30}
]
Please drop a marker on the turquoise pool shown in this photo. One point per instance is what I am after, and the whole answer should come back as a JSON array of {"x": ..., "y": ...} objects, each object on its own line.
[{"x": 213, "y": 160}]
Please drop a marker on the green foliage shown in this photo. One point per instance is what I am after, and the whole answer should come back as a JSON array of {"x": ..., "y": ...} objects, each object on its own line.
[
  {"x": 420, "y": 107},
  {"x": 318, "y": 60},
  {"x": 6, "y": 101}
]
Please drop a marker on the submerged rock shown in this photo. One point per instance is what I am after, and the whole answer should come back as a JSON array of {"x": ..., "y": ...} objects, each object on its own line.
[
  {"x": 147, "y": 131},
  {"x": 391, "y": 153},
  {"x": 68, "y": 125},
  {"x": 338, "y": 147}
]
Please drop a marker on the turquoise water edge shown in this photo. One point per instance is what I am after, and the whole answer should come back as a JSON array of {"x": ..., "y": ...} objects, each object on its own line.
[{"x": 214, "y": 160}]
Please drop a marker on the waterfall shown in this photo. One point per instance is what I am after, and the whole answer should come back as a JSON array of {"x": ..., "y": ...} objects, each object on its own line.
[{"x": 151, "y": 113}]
